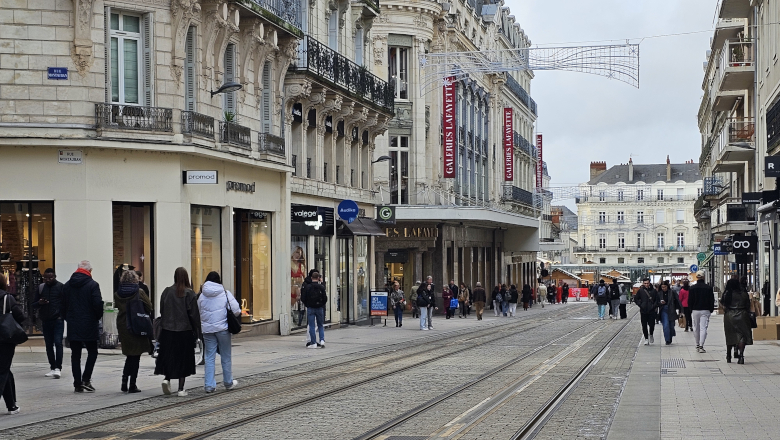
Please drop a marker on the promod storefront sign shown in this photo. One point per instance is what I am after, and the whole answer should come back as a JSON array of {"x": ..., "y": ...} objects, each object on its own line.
[
  {"x": 449, "y": 128},
  {"x": 509, "y": 153}
]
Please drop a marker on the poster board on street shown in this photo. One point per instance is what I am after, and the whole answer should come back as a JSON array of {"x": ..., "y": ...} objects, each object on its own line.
[{"x": 378, "y": 303}]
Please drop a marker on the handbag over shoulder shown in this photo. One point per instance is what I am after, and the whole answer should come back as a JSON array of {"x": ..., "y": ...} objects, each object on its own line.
[
  {"x": 234, "y": 325},
  {"x": 10, "y": 330}
]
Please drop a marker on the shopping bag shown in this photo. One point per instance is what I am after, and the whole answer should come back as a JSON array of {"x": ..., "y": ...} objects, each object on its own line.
[
  {"x": 681, "y": 321},
  {"x": 454, "y": 303}
]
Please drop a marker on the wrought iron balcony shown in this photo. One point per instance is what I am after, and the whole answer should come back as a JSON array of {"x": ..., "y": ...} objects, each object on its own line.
[
  {"x": 518, "y": 195},
  {"x": 268, "y": 143},
  {"x": 234, "y": 134},
  {"x": 287, "y": 10},
  {"x": 198, "y": 124},
  {"x": 133, "y": 117},
  {"x": 327, "y": 64},
  {"x": 520, "y": 93}
]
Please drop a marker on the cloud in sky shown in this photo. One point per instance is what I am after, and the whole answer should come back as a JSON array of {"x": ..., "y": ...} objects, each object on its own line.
[{"x": 588, "y": 118}]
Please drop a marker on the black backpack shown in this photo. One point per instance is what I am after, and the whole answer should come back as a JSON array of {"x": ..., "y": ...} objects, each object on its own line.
[
  {"x": 601, "y": 291},
  {"x": 139, "y": 322},
  {"x": 423, "y": 299}
]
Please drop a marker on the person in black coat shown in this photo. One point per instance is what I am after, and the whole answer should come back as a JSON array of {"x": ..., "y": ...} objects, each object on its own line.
[
  {"x": 669, "y": 307},
  {"x": 527, "y": 296},
  {"x": 48, "y": 300},
  {"x": 647, "y": 300},
  {"x": 7, "y": 383},
  {"x": 82, "y": 309}
]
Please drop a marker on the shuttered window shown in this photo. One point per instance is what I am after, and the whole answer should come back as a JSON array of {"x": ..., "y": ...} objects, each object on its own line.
[
  {"x": 189, "y": 70},
  {"x": 229, "y": 103},
  {"x": 129, "y": 58},
  {"x": 266, "y": 116}
]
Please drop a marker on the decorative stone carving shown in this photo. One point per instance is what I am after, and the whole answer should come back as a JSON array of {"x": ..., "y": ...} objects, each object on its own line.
[
  {"x": 294, "y": 92},
  {"x": 182, "y": 14},
  {"x": 403, "y": 116},
  {"x": 81, "y": 52},
  {"x": 379, "y": 49}
]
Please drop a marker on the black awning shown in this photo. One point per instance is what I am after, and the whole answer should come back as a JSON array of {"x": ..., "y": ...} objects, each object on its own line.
[{"x": 361, "y": 226}]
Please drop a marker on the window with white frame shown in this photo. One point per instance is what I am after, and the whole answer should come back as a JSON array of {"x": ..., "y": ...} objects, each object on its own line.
[
  {"x": 660, "y": 195},
  {"x": 699, "y": 191},
  {"x": 640, "y": 216},
  {"x": 621, "y": 217},
  {"x": 621, "y": 260},
  {"x": 602, "y": 196},
  {"x": 399, "y": 170},
  {"x": 602, "y": 260},
  {"x": 680, "y": 239},
  {"x": 333, "y": 30},
  {"x": 129, "y": 72},
  {"x": 660, "y": 240},
  {"x": 640, "y": 194},
  {"x": 680, "y": 260},
  {"x": 680, "y": 216},
  {"x": 620, "y": 195},
  {"x": 660, "y": 217},
  {"x": 359, "y": 43},
  {"x": 602, "y": 217},
  {"x": 660, "y": 259},
  {"x": 621, "y": 240},
  {"x": 640, "y": 240},
  {"x": 229, "y": 98},
  {"x": 680, "y": 193},
  {"x": 602, "y": 241}
]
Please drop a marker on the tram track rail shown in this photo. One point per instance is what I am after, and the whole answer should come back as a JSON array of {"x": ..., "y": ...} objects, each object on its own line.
[{"x": 396, "y": 352}]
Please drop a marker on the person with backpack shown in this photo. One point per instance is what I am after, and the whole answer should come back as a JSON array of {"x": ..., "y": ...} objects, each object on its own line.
[
  {"x": 602, "y": 298},
  {"x": 614, "y": 291},
  {"x": 129, "y": 299},
  {"x": 315, "y": 298},
  {"x": 8, "y": 305},
  {"x": 423, "y": 299},
  {"x": 214, "y": 303},
  {"x": 646, "y": 299},
  {"x": 48, "y": 300}
]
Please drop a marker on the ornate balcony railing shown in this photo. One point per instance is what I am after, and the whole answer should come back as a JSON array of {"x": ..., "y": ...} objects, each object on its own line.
[
  {"x": 234, "y": 134},
  {"x": 330, "y": 65},
  {"x": 133, "y": 117},
  {"x": 268, "y": 143},
  {"x": 519, "y": 195},
  {"x": 287, "y": 10},
  {"x": 197, "y": 123},
  {"x": 521, "y": 94}
]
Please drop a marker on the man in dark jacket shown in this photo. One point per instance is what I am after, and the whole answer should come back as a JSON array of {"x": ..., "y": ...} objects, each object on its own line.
[
  {"x": 602, "y": 297},
  {"x": 82, "y": 308},
  {"x": 647, "y": 301},
  {"x": 479, "y": 297},
  {"x": 701, "y": 301},
  {"x": 614, "y": 299},
  {"x": 314, "y": 298},
  {"x": 48, "y": 299}
]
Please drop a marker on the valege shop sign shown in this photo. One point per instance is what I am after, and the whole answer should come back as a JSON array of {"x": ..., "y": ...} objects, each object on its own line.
[
  {"x": 509, "y": 156},
  {"x": 448, "y": 128},
  {"x": 304, "y": 213}
]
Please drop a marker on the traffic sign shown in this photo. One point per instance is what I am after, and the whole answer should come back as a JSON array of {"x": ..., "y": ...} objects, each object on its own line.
[
  {"x": 694, "y": 268},
  {"x": 701, "y": 256}
]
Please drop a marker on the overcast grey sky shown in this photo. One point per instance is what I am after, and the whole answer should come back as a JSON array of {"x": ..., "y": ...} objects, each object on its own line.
[{"x": 588, "y": 118}]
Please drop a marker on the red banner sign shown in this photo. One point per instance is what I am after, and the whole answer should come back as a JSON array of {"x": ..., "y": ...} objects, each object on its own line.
[
  {"x": 539, "y": 163},
  {"x": 509, "y": 151},
  {"x": 449, "y": 128}
]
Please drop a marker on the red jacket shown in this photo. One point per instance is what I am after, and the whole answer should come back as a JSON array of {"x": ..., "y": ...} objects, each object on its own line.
[{"x": 684, "y": 297}]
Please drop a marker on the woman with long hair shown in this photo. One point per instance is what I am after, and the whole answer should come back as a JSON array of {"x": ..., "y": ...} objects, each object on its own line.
[
  {"x": 180, "y": 320},
  {"x": 669, "y": 304},
  {"x": 684, "y": 293},
  {"x": 133, "y": 346},
  {"x": 736, "y": 321}
]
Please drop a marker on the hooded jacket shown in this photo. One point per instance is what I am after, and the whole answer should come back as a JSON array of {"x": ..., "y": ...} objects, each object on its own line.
[
  {"x": 213, "y": 303},
  {"x": 132, "y": 345},
  {"x": 82, "y": 306}
]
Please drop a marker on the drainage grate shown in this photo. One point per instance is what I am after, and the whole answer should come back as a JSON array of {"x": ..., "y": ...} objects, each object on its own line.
[
  {"x": 91, "y": 434},
  {"x": 668, "y": 371},
  {"x": 672, "y": 363}
]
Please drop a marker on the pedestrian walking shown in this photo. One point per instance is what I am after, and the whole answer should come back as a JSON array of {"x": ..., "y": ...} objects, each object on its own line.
[
  {"x": 701, "y": 304},
  {"x": 513, "y": 297},
  {"x": 684, "y": 295},
  {"x": 315, "y": 298},
  {"x": 398, "y": 303},
  {"x": 423, "y": 298},
  {"x": 8, "y": 348},
  {"x": 82, "y": 310},
  {"x": 180, "y": 328},
  {"x": 214, "y": 304},
  {"x": 623, "y": 301},
  {"x": 767, "y": 297},
  {"x": 669, "y": 307},
  {"x": 565, "y": 293},
  {"x": 559, "y": 294},
  {"x": 431, "y": 307},
  {"x": 646, "y": 299},
  {"x": 541, "y": 293},
  {"x": 614, "y": 298},
  {"x": 413, "y": 300},
  {"x": 479, "y": 297},
  {"x": 464, "y": 300},
  {"x": 505, "y": 299},
  {"x": 527, "y": 296},
  {"x": 133, "y": 346},
  {"x": 446, "y": 297},
  {"x": 496, "y": 301},
  {"x": 602, "y": 298},
  {"x": 577, "y": 294},
  {"x": 48, "y": 301},
  {"x": 551, "y": 294},
  {"x": 736, "y": 321},
  {"x": 454, "y": 293}
]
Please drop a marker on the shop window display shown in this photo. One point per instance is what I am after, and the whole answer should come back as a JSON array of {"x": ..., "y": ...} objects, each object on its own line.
[
  {"x": 253, "y": 264},
  {"x": 361, "y": 261},
  {"x": 132, "y": 241},
  {"x": 26, "y": 249},
  {"x": 322, "y": 264},
  {"x": 206, "y": 241},
  {"x": 299, "y": 270}
]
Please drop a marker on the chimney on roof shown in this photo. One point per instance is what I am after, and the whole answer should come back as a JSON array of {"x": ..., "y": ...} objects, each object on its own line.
[
  {"x": 668, "y": 169},
  {"x": 597, "y": 169},
  {"x": 630, "y": 170}
]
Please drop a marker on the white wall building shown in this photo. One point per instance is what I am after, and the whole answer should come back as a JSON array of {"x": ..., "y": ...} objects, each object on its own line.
[{"x": 639, "y": 216}]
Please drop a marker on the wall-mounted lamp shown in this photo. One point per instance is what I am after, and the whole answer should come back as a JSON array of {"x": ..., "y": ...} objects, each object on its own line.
[
  {"x": 382, "y": 159},
  {"x": 226, "y": 88}
]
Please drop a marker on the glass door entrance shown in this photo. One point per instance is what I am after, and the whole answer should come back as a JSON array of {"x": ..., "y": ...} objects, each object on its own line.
[
  {"x": 346, "y": 298},
  {"x": 252, "y": 263},
  {"x": 133, "y": 242}
]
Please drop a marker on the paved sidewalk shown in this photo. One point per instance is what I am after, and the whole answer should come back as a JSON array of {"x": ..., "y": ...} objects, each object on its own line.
[
  {"x": 42, "y": 398},
  {"x": 700, "y": 396}
]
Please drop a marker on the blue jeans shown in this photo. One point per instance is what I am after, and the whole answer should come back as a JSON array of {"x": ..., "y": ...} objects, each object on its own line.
[
  {"x": 212, "y": 341},
  {"x": 423, "y": 318},
  {"x": 316, "y": 317},
  {"x": 667, "y": 325},
  {"x": 602, "y": 310},
  {"x": 52, "y": 336},
  {"x": 505, "y": 307},
  {"x": 399, "y": 313}
]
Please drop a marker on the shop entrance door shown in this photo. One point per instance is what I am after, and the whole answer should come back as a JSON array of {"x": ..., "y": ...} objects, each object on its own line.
[
  {"x": 252, "y": 262},
  {"x": 346, "y": 298},
  {"x": 133, "y": 242}
]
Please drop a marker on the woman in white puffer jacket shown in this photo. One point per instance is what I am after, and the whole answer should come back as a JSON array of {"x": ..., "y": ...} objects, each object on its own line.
[{"x": 213, "y": 303}]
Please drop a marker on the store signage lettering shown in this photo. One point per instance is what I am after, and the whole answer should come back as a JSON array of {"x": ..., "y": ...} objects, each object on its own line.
[
  {"x": 751, "y": 198},
  {"x": 304, "y": 213},
  {"x": 348, "y": 210},
  {"x": 772, "y": 166},
  {"x": 448, "y": 128},
  {"x": 509, "y": 154},
  {"x": 57, "y": 73},
  {"x": 240, "y": 187},
  {"x": 378, "y": 303},
  {"x": 385, "y": 215},
  {"x": 200, "y": 177},
  {"x": 412, "y": 232},
  {"x": 69, "y": 156},
  {"x": 539, "y": 163}
]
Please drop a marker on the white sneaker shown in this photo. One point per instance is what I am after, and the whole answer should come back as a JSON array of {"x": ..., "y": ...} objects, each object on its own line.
[
  {"x": 311, "y": 345},
  {"x": 166, "y": 387},
  {"x": 647, "y": 342},
  {"x": 183, "y": 393},
  {"x": 321, "y": 344},
  {"x": 49, "y": 374},
  {"x": 651, "y": 339},
  {"x": 57, "y": 373},
  {"x": 232, "y": 385},
  {"x": 14, "y": 410}
]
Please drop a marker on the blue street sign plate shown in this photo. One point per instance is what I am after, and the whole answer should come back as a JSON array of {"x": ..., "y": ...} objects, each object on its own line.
[
  {"x": 57, "y": 73},
  {"x": 694, "y": 268},
  {"x": 717, "y": 249}
]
